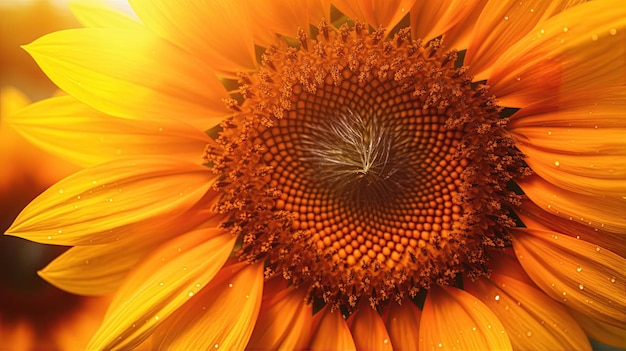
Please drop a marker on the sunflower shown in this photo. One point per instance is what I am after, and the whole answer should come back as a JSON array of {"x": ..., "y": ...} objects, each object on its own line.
[{"x": 356, "y": 175}]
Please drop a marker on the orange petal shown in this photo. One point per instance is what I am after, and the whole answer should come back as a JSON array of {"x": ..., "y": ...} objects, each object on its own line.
[
  {"x": 452, "y": 319},
  {"x": 430, "y": 19},
  {"x": 218, "y": 32},
  {"x": 99, "y": 13},
  {"x": 160, "y": 285},
  {"x": 500, "y": 25},
  {"x": 285, "y": 17},
  {"x": 536, "y": 218},
  {"x": 58, "y": 124},
  {"x": 594, "y": 108},
  {"x": 368, "y": 329},
  {"x": 376, "y": 13},
  {"x": 602, "y": 332},
  {"x": 221, "y": 316},
  {"x": 284, "y": 320},
  {"x": 109, "y": 202},
  {"x": 403, "y": 322},
  {"x": 331, "y": 331},
  {"x": 532, "y": 320},
  {"x": 583, "y": 276},
  {"x": 461, "y": 34},
  {"x": 570, "y": 52},
  {"x": 100, "y": 269},
  {"x": 131, "y": 74},
  {"x": 604, "y": 213}
]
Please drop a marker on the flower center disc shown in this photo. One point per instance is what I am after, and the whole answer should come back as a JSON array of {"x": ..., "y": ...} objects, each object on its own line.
[{"x": 363, "y": 167}]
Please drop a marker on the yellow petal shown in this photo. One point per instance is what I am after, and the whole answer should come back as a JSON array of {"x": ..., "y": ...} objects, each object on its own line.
[
  {"x": 430, "y": 19},
  {"x": 453, "y": 319},
  {"x": 604, "y": 213},
  {"x": 402, "y": 322},
  {"x": 221, "y": 316},
  {"x": 368, "y": 329},
  {"x": 219, "y": 32},
  {"x": 59, "y": 124},
  {"x": 532, "y": 320},
  {"x": 285, "y": 318},
  {"x": 579, "y": 49},
  {"x": 331, "y": 332},
  {"x": 581, "y": 275},
  {"x": 131, "y": 74},
  {"x": 160, "y": 285},
  {"x": 99, "y": 13},
  {"x": 536, "y": 218},
  {"x": 602, "y": 332},
  {"x": 376, "y": 13},
  {"x": 500, "y": 25},
  {"x": 100, "y": 269},
  {"x": 109, "y": 202}
]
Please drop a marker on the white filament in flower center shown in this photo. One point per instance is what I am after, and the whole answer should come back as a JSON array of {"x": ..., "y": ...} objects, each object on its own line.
[{"x": 356, "y": 157}]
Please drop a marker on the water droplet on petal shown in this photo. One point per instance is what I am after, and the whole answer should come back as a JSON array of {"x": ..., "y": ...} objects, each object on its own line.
[
  {"x": 581, "y": 286},
  {"x": 613, "y": 31},
  {"x": 529, "y": 333},
  {"x": 497, "y": 298},
  {"x": 557, "y": 163},
  {"x": 230, "y": 285},
  {"x": 612, "y": 279},
  {"x": 217, "y": 346},
  {"x": 61, "y": 191},
  {"x": 190, "y": 294},
  {"x": 579, "y": 269},
  {"x": 156, "y": 318}
]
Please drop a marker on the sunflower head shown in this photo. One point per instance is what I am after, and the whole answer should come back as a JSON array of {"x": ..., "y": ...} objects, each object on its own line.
[{"x": 365, "y": 168}]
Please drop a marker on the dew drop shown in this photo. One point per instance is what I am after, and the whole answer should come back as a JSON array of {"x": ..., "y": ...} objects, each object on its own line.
[
  {"x": 386, "y": 341},
  {"x": 190, "y": 294},
  {"x": 549, "y": 132},
  {"x": 489, "y": 326},
  {"x": 230, "y": 285},
  {"x": 557, "y": 163},
  {"x": 473, "y": 328},
  {"x": 594, "y": 37},
  {"x": 161, "y": 284},
  {"x": 217, "y": 346},
  {"x": 60, "y": 231},
  {"x": 247, "y": 296},
  {"x": 597, "y": 248},
  {"x": 198, "y": 285},
  {"x": 156, "y": 318},
  {"x": 612, "y": 279},
  {"x": 564, "y": 293},
  {"x": 506, "y": 308},
  {"x": 581, "y": 286},
  {"x": 579, "y": 269},
  {"x": 518, "y": 78},
  {"x": 529, "y": 333},
  {"x": 49, "y": 237},
  {"x": 61, "y": 191},
  {"x": 613, "y": 31},
  {"x": 440, "y": 345},
  {"x": 506, "y": 18},
  {"x": 497, "y": 298},
  {"x": 565, "y": 29},
  {"x": 86, "y": 261}
]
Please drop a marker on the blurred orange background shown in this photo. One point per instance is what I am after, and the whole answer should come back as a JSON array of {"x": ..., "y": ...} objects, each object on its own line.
[{"x": 33, "y": 314}]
